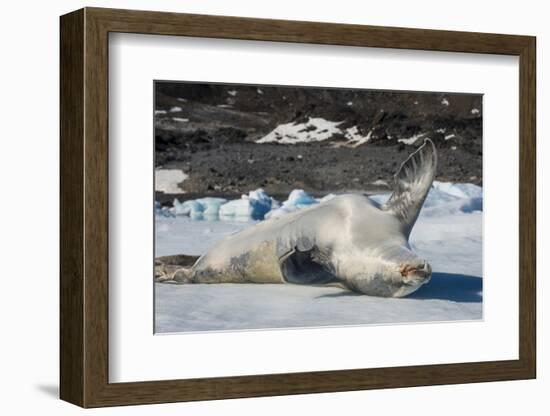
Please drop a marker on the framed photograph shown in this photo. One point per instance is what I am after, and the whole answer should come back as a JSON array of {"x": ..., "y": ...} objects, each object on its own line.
[{"x": 255, "y": 207}]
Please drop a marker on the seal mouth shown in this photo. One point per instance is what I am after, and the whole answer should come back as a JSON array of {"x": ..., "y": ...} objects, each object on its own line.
[{"x": 413, "y": 273}]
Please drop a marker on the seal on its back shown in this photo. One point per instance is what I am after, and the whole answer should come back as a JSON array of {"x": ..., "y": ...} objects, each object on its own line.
[{"x": 349, "y": 240}]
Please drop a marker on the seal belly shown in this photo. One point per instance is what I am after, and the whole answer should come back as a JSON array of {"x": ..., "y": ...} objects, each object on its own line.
[{"x": 256, "y": 265}]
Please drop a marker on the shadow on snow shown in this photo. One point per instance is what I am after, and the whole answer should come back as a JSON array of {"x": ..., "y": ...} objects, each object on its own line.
[
  {"x": 442, "y": 286},
  {"x": 452, "y": 287}
]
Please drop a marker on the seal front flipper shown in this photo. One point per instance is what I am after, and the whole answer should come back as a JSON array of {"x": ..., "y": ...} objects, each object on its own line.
[
  {"x": 309, "y": 267},
  {"x": 411, "y": 184}
]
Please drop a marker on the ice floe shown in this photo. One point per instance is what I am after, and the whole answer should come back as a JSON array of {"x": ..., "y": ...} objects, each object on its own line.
[
  {"x": 443, "y": 199},
  {"x": 198, "y": 209},
  {"x": 253, "y": 206}
]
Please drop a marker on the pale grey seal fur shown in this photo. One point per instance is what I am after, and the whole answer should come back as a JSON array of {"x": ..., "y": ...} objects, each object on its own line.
[{"x": 349, "y": 240}]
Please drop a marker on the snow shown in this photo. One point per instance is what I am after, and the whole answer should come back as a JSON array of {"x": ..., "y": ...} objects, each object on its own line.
[
  {"x": 412, "y": 140},
  {"x": 181, "y": 235},
  {"x": 450, "y": 136},
  {"x": 232, "y": 93},
  {"x": 180, "y": 119},
  {"x": 475, "y": 111},
  {"x": 175, "y": 109},
  {"x": 160, "y": 112},
  {"x": 448, "y": 233},
  {"x": 314, "y": 130},
  {"x": 167, "y": 180},
  {"x": 445, "y": 102},
  {"x": 355, "y": 138},
  {"x": 259, "y": 91},
  {"x": 182, "y": 100}
]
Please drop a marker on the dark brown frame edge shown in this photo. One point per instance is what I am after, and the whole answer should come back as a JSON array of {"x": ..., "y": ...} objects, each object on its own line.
[{"x": 84, "y": 207}]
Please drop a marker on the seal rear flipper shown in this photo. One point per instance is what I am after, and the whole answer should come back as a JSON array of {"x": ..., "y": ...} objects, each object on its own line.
[
  {"x": 174, "y": 269},
  {"x": 309, "y": 267},
  {"x": 411, "y": 184}
]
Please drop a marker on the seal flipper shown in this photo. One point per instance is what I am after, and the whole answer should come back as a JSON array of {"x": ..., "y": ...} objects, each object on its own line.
[
  {"x": 309, "y": 267},
  {"x": 174, "y": 269},
  {"x": 411, "y": 184}
]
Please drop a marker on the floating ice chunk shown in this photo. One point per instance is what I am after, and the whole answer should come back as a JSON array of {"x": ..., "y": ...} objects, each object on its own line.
[
  {"x": 261, "y": 203},
  {"x": 211, "y": 206},
  {"x": 237, "y": 208},
  {"x": 191, "y": 208},
  {"x": 160, "y": 112},
  {"x": 203, "y": 208},
  {"x": 446, "y": 198},
  {"x": 474, "y": 111},
  {"x": 445, "y": 102},
  {"x": 175, "y": 109},
  {"x": 451, "y": 198},
  {"x": 162, "y": 211},
  {"x": 180, "y": 119},
  {"x": 297, "y": 199},
  {"x": 232, "y": 93},
  {"x": 252, "y": 206}
]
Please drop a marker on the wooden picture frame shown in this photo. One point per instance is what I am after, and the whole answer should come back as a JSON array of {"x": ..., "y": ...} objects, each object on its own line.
[{"x": 84, "y": 207}]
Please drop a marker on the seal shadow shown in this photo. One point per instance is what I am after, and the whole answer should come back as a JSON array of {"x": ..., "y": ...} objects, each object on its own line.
[
  {"x": 451, "y": 287},
  {"x": 442, "y": 286}
]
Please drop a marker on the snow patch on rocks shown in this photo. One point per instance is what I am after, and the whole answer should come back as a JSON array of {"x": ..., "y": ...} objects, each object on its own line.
[{"x": 168, "y": 180}]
